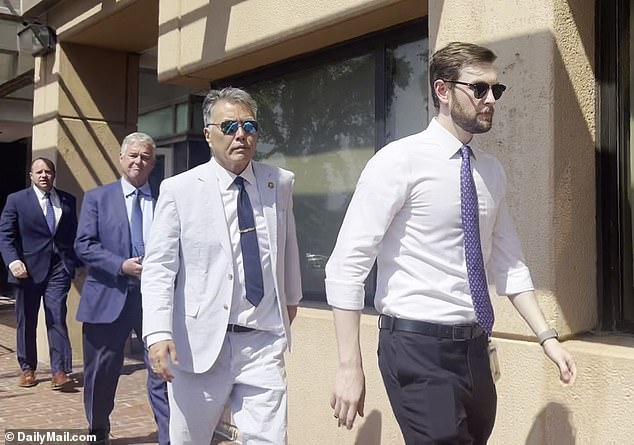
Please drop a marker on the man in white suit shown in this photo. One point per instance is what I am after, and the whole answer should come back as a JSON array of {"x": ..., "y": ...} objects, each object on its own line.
[{"x": 221, "y": 283}]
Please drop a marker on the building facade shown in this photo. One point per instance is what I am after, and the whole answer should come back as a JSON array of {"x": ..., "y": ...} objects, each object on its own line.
[{"x": 336, "y": 80}]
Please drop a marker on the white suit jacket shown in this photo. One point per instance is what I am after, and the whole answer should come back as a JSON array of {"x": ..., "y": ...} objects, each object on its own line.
[{"x": 187, "y": 280}]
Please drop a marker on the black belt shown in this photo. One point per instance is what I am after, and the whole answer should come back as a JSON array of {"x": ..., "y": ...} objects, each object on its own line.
[
  {"x": 238, "y": 328},
  {"x": 459, "y": 332}
]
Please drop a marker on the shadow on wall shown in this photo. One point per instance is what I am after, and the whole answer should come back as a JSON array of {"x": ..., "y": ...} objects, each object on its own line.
[
  {"x": 552, "y": 426},
  {"x": 370, "y": 431}
]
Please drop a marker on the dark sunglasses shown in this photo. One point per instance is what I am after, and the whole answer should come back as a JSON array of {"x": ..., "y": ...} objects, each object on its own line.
[
  {"x": 231, "y": 127},
  {"x": 481, "y": 89}
]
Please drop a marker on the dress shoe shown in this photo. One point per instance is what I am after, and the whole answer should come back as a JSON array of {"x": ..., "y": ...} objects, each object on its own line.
[
  {"x": 61, "y": 381},
  {"x": 27, "y": 379}
]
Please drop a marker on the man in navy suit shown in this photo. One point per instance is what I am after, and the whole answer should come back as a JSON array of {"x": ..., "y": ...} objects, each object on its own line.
[
  {"x": 37, "y": 229},
  {"x": 115, "y": 220}
]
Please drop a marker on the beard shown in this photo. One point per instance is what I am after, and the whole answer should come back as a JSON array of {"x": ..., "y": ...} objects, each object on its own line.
[{"x": 475, "y": 122}]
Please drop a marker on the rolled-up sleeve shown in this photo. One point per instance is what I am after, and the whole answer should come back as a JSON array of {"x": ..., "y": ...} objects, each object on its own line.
[{"x": 378, "y": 197}]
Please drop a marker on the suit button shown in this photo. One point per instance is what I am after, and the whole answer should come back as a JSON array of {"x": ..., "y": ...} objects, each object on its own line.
[
  {"x": 230, "y": 276},
  {"x": 226, "y": 306}
]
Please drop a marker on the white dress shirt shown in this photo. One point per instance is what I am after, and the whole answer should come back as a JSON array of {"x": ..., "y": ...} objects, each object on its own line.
[
  {"x": 266, "y": 315},
  {"x": 147, "y": 207},
  {"x": 43, "y": 202},
  {"x": 405, "y": 213}
]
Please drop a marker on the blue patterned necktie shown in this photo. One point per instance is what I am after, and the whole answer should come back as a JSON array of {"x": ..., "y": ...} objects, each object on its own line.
[
  {"x": 50, "y": 213},
  {"x": 136, "y": 226},
  {"x": 472, "y": 247},
  {"x": 249, "y": 246}
]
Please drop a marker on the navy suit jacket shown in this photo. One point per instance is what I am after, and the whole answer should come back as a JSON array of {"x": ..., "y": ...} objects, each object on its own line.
[
  {"x": 25, "y": 236},
  {"x": 103, "y": 244}
]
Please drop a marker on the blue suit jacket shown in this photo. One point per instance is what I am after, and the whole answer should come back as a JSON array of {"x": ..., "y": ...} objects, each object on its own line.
[
  {"x": 25, "y": 236},
  {"x": 103, "y": 244}
]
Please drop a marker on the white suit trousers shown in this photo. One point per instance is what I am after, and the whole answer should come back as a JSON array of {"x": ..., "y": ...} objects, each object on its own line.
[{"x": 249, "y": 374}]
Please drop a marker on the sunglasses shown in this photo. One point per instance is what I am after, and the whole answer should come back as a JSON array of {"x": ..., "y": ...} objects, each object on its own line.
[
  {"x": 230, "y": 127},
  {"x": 481, "y": 89}
]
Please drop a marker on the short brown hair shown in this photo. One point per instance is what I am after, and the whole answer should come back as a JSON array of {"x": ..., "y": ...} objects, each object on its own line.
[{"x": 448, "y": 62}]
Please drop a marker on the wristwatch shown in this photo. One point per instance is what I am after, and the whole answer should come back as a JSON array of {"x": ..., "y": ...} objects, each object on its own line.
[{"x": 547, "y": 335}]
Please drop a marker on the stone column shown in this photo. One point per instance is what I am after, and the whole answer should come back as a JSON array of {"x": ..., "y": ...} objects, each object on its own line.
[{"x": 85, "y": 102}]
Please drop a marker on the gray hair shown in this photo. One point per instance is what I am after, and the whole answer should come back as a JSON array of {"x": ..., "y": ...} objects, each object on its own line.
[
  {"x": 230, "y": 95},
  {"x": 138, "y": 138}
]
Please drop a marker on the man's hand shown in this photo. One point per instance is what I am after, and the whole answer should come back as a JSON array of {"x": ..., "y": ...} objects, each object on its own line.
[
  {"x": 18, "y": 269},
  {"x": 348, "y": 396},
  {"x": 563, "y": 359},
  {"x": 132, "y": 267},
  {"x": 160, "y": 355}
]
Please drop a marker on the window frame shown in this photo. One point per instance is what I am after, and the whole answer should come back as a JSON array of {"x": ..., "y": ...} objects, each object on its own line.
[{"x": 615, "y": 282}]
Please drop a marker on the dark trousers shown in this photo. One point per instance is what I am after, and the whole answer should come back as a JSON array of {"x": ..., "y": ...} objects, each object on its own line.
[
  {"x": 104, "y": 346},
  {"x": 441, "y": 390},
  {"x": 54, "y": 291}
]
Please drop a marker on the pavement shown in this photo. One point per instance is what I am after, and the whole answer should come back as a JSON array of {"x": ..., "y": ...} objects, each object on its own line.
[{"x": 132, "y": 421}]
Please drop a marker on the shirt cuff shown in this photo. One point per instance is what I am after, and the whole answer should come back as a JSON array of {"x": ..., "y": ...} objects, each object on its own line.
[
  {"x": 157, "y": 337},
  {"x": 514, "y": 282},
  {"x": 345, "y": 295}
]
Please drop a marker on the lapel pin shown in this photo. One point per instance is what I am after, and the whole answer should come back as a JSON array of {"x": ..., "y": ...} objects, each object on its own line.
[{"x": 271, "y": 185}]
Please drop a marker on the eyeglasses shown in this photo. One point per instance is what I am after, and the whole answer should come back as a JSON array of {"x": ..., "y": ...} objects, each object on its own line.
[
  {"x": 230, "y": 127},
  {"x": 481, "y": 89}
]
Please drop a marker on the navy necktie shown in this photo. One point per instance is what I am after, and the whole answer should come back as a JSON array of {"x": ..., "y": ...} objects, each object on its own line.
[
  {"x": 472, "y": 247},
  {"x": 249, "y": 246},
  {"x": 50, "y": 213},
  {"x": 136, "y": 226}
]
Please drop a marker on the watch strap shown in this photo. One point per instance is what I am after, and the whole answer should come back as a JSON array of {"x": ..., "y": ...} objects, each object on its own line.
[{"x": 547, "y": 335}]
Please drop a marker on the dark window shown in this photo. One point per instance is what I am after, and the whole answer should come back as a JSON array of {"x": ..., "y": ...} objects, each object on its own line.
[
  {"x": 615, "y": 168},
  {"x": 323, "y": 116}
]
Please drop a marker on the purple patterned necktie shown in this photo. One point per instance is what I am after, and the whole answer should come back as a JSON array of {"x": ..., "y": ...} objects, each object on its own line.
[{"x": 472, "y": 247}]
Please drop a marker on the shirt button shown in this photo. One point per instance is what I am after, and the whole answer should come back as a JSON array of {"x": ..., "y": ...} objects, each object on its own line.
[
  {"x": 225, "y": 306},
  {"x": 230, "y": 276}
]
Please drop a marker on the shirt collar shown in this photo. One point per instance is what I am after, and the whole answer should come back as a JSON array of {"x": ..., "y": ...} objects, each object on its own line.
[
  {"x": 129, "y": 189},
  {"x": 226, "y": 178},
  {"x": 447, "y": 142},
  {"x": 41, "y": 195}
]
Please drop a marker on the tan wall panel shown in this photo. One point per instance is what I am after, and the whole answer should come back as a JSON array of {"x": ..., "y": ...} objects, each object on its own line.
[
  {"x": 544, "y": 136},
  {"x": 533, "y": 407},
  {"x": 96, "y": 84},
  {"x": 207, "y": 42}
]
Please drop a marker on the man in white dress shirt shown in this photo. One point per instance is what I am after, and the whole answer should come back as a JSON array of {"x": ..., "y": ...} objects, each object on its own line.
[
  {"x": 221, "y": 283},
  {"x": 431, "y": 209}
]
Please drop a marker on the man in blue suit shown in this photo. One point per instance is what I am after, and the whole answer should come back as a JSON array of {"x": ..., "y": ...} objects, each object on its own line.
[
  {"x": 115, "y": 220},
  {"x": 37, "y": 229}
]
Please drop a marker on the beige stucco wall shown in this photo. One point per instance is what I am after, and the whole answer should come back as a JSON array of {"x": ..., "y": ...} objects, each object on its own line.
[
  {"x": 544, "y": 135},
  {"x": 201, "y": 40},
  {"x": 533, "y": 407}
]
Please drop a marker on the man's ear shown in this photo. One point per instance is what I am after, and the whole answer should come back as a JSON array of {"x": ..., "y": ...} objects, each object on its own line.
[{"x": 442, "y": 92}]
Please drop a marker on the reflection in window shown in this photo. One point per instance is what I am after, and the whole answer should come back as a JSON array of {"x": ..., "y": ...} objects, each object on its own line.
[
  {"x": 407, "y": 86},
  {"x": 321, "y": 123}
]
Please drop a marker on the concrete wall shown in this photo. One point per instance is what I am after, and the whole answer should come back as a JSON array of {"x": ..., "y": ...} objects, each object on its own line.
[{"x": 201, "y": 40}]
